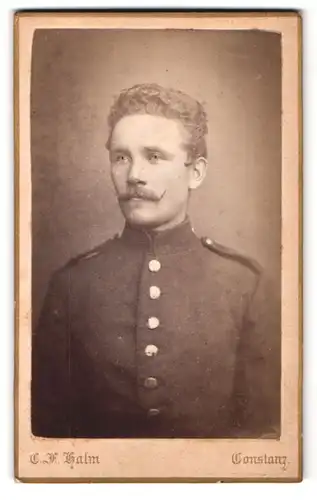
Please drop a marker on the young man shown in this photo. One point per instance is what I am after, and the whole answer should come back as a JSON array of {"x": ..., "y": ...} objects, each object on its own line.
[{"x": 157, "y": 333}]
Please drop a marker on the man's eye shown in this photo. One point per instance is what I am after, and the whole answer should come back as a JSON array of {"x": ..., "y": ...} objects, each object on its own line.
[
  {"x": 120, "y": 158},
  {"x": 154, "y": 157}
]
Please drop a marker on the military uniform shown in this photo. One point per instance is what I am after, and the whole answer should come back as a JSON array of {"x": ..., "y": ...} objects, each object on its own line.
[{"x": 157, "y": 335}]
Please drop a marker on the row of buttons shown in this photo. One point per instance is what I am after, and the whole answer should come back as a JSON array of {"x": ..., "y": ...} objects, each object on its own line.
[{"x": 153, "y": 322}]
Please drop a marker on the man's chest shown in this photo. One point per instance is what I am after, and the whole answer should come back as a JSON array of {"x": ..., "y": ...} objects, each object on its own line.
[{"x": 157, "y": 317}]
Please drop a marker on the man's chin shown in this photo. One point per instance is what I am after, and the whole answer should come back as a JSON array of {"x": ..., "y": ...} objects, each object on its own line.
[
  {"x": 142, "y": 222},
  {"x": 141, "y": 219}
]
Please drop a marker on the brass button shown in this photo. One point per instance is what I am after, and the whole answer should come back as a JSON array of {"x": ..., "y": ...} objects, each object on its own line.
[
  {"x": 153, "y": 412},
  {"x": 153, "y": 322},
  {"x": 150, "y": 383},
  {"x": 151, "y": 350},
  {"x": 155, "y": 292},
  {"x": 154, "y": 265}
]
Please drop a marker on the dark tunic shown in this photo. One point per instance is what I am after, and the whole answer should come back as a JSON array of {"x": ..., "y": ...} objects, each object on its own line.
[{"x": 111, "y": 358}]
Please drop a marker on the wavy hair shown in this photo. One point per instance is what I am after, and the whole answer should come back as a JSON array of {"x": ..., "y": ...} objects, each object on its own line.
[{"x": 153, "y": 99}]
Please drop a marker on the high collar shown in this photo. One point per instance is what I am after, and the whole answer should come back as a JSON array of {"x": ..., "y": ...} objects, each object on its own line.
[{"x": 180, "y": 238}]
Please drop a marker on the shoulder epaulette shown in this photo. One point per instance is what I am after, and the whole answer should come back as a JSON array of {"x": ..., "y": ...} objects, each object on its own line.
[
  {"x": 230, "y": 253},
  {"x": 90, "y": 253}
]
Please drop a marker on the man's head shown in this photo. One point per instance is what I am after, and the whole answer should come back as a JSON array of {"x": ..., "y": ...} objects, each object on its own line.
[{"x": 157, "y": 152}]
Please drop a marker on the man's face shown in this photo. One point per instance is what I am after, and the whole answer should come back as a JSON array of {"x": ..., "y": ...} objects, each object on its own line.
[{"x": 148, "y": 170}]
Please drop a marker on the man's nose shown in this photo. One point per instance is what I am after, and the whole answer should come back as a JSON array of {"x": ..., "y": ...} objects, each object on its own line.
[{"x": 136, "y": 173}]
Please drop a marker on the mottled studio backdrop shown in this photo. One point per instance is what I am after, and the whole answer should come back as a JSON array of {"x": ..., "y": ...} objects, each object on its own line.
[{"x": 75, "y": 76}]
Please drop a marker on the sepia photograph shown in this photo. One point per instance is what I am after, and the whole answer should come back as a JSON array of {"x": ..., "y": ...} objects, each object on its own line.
[{"x": 158, "y": 247}]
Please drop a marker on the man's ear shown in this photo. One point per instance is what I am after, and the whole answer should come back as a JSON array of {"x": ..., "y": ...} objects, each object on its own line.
[{"x": 198, "y": 172}]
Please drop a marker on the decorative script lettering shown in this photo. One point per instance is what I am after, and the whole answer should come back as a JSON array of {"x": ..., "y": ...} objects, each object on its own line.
[
  {"x": 67, "y": 457},
  {"x": 241, "y": 459}
]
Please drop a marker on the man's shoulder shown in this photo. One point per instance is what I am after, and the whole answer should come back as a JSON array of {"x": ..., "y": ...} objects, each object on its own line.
[
  {"x": 231, "y": 257},
  {"x": 92, "y": 255}
]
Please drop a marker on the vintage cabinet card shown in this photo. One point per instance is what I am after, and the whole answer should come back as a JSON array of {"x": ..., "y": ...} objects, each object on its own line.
[{"x": 158, "y": 246}]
